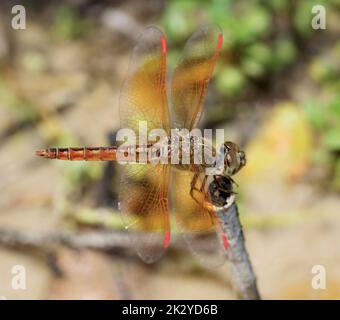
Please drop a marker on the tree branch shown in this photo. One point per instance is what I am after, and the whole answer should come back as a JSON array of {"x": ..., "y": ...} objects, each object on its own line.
[
  {"x": 94, "y": 240},
  {"x": 237, "y": 255},
  {"x": 97, "y": 240},
  {"x": 222, "y": 198}
]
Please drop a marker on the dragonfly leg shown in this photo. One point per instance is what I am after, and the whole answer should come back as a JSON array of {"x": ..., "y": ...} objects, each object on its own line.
[
  {"x": 233, "y": 181},
  {"x": 194, "y": 188}
]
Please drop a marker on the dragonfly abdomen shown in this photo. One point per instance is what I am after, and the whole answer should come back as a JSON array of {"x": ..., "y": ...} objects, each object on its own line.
[{"x": 83, "y": 153}]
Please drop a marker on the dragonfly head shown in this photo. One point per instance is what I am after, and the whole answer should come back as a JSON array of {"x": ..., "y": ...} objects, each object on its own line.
[{"x": 234, "y": 158}]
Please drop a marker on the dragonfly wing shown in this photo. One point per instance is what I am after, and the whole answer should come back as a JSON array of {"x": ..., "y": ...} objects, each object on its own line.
[
  {"x": 143, "y": 94},
  {"x": 196, "y": 218},
  {"x": 192, "y": 75},
  {"x": 144, "y": 188},
  {"x": 144, "y": 208}
]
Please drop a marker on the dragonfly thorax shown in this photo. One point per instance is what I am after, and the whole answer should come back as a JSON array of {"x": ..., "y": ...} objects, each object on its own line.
[{"x": 185, "y": 151}]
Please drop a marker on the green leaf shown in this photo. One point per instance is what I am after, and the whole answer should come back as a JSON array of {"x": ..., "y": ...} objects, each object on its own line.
[
  {"x": 256, "y": 59},
  {"x": 316, "y": 114},
  {"x": 335, "y": 108},
  {"x": 331, "y": 139},
  {"x": 231, "y": 81},
  {"x": 285, "y": 53}
]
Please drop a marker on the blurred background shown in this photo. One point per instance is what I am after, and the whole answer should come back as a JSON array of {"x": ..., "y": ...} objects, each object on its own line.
[{"x": 275, "y": 91}]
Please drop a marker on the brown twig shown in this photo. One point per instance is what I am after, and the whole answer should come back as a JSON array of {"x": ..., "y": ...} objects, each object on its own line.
[
  {"x": 100, "y": 240},
  {"x": 97, "y": 240},
  {"x": 238, "y": 257},
  {"x": 223, "y": 199}
]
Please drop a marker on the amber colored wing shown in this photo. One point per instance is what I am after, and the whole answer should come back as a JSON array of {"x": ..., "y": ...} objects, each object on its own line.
[
  {"x": 144, "y": 208},
  {"x": 192, "y": 74},
  {"x": 144, "y": 188},
  {"x": 195, "y": 217},
  {"x": 143, "y": 94}
]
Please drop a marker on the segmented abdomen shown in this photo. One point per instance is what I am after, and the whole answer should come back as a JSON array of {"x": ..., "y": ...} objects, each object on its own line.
[{"x": 84, "y": 153}]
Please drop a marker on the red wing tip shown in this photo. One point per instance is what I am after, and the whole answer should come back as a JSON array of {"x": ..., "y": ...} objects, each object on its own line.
[
  {"x": 42, "y": 153},
  {"x": 166, "y": 241},
  {"x": 163, "y": 43},
  {"x": 219, "y": 41}
]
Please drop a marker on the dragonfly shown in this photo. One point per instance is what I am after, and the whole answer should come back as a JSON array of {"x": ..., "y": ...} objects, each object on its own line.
[{"x": 148, "y": 191}]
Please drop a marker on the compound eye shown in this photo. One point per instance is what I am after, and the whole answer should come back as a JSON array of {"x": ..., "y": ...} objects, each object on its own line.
[{"x": 242, "y": 156}]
